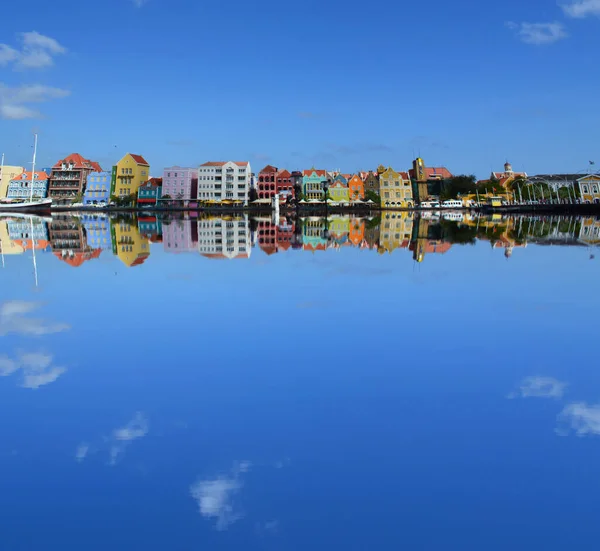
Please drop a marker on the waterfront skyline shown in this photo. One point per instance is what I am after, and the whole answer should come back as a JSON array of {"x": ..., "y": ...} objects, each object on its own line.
[{"x": 461, "y": 87}]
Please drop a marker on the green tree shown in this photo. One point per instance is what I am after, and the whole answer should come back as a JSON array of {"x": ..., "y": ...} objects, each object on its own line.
[
  {"x": 370, "y": 195},
  {"x": 458, "y": 185}
]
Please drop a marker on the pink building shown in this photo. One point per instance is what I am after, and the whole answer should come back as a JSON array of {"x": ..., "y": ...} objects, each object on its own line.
[{"x": 180, "y": 183}]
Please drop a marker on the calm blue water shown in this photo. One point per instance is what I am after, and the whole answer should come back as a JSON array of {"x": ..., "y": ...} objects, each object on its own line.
[{"x": 346, "y": 398}]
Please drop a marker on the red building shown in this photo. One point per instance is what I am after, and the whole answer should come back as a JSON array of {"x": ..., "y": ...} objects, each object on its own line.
[
  {"x": 267, "y": 182},
  {"x": 274, "y": 238},
  {"x": 69, "y": 177},
  {"x": 285, "y": 185}
]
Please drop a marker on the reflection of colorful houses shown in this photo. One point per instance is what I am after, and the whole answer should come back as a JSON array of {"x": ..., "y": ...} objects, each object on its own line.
[
  {"x": 74, "y": 259},
  {"x": 356, "y": 232},
  {"x": 220, "y": 238},
  {"x": 395, "y": 231},
  {"x": 422, "y": 244},
  {"x": 29, "y": 234},
  {"x": 356, "y": 188},
  {"x": 274, "y": 238},
  {"x": 128, "y": 244},
  {"x": 180, "y": 236},
  {"x": 7, "y": 245},
  {"x": 339, "y": 228},
  {"x": 589, "y": 234},
  {"x": 97, "y": 230},
  {"x": 371, "y": 240},
  {"x": 395, "y": 189},
  {"x": 338, "y": 189},
  {"x": 589, "y": 188},
  {"x": 150, "y": 227},
  {"x": 313, "y": 184},
  {"x": 314, "y": 234},
  {"x": 67, "y": 234}
]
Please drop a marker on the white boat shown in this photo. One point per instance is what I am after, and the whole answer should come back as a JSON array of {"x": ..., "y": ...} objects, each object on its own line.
[{"x": 24, "y": 204}]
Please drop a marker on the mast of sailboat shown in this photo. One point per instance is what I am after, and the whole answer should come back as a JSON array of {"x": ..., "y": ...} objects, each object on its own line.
[
  {"x": 33, "y": 167},
  {"x": 33, "y": 249}
]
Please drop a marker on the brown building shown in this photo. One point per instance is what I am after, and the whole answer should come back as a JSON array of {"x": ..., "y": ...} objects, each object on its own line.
[
  {"x": 371, "y": 182},
  {"x": 67, "y": 235},
  {"x": 69, "y": 176}
]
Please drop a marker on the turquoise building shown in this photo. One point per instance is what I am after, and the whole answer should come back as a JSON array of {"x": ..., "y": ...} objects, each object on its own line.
[{"x": 313, "y": 184}]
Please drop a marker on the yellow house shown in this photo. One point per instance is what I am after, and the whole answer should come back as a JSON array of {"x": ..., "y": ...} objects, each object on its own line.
[
  {"x": 589, "y": 188},
  {"x": 395, "y": 231},
  {"x": 8, "y": 173},
  {"x": 7, "y": 245},
  {"x": 131, "y": 172},
  {"x": 128, "y": 244},
  {"x": 395, "y": 189},
  {"x": 590, "y": 231}
]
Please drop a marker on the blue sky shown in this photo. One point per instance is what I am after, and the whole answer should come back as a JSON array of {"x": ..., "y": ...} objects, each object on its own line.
[{"x": 338, "y": 85}]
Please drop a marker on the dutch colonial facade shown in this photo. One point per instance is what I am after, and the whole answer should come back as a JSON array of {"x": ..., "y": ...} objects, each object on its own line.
[
  {"x": 98, "y": 188},
  {"x": 20, "y": 187},
  {"x": 180, "y": 183},
  {"x": 219, "y": 238},
  {"x": 69, "y": 178},
  {"x": 274, "y": 238},
  {"x": 128, "y": 244},
  {"x": 285, "y": 186},
  {"x": 356, "y": 188},
  {"x": 266, "y": 186},
  {"x": 395, "y": 189},
  {"x": 589, "y": 188},
  {"x": 338, "y": 189},
  {"x": 313, "y": 184},
  {"x": 371, "y": 182},
  {"x": 97, "y": 230},
  {"x": 395, "y": 231},
  {"x": 224, "y": 181},
  {"x": 150, "y": 193},
  {"x": 132, "y": 171}
]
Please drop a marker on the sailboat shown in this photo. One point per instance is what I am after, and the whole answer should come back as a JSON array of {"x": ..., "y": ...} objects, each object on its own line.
[{"x": 23, "y": 204}]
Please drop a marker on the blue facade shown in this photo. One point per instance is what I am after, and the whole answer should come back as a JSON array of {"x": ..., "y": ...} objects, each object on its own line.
[
  {"x": 97, "y": 229},
  {"x": 20, "y": 187},
  {"x": 97, "y": 188}
]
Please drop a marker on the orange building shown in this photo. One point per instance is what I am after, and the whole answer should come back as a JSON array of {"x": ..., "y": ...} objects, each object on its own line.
[{"x": 356, "y": 187}]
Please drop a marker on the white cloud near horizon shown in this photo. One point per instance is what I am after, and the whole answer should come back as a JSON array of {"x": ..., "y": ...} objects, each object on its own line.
[
  {"x": 36, "y": 51},
  {"x": 215, "y": 496},
  {"x": 539, "y": 34},
  {"x": 14, "y": 317},
  {"x": 581, "y": 418},
  {"x": 582, "y": 9},
  {"x": 37, "y": 369},
  {"x": 15, "y": 101},
  {"x": 539, "y": 387}
]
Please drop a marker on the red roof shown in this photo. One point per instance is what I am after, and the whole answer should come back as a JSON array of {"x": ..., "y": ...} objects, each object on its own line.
[
  {"x": 27, "y": 175},
  {"x": 404, "y": 175},
  {"x": 77, "y": 259},
  {"x": 139, "y": 260},
  {"x": 434, "y": 172},
  {"x": 285, "y": 174},
  {"x": 79, "y": 162},
  {"x": 269, "y": 168},
  {"x": 139, "y": 159},
  {"x": 153, "y": 182},
  {"x": 317, "y": 172}
]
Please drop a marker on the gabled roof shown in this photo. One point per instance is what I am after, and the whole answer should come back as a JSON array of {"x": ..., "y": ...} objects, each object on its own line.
[
  {"x": 27, "y": 176},
  {"x": 269, "y": 169},
  {"x": 78, "y": 162},
  {"x": 139, "y": 159},
  {"x": 317, "y": 172},
  {"x": 153, "y": 182},
  {"x": 404, "y": 175},
  {"x": 285, "y": 174}
]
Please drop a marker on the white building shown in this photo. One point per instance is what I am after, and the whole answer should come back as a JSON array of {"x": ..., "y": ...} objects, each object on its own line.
[
  {"x": 220, "y": 238},
  {"x": 220, "y": 181}
]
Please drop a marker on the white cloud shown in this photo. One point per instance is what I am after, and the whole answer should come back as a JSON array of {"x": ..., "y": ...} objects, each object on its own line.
[
  {"x": 14, "y": 316},
  {"x": 37, "y": 369},
  {"x": 215, "y": 496},
  {"x": 136, "y": 428},
  {"x": 82, "y": 451},
  {"x": 36, "y": 52},
  {"x": 582, "y": 9},
  {"x": 14, "y": 101},
  {"x": 539, "y": 387},
  {"x": 580, "y": 418},
  {"x": 539, "y": 33}
]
